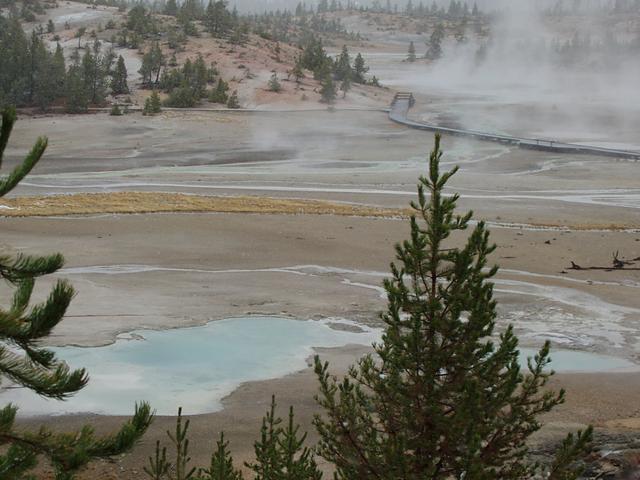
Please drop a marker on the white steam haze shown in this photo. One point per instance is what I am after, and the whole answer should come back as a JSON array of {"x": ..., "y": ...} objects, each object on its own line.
[{"x": 523, "y": 85}]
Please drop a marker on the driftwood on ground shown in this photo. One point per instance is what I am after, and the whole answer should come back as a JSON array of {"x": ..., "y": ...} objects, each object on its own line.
[{"x": 616, "y": 264}]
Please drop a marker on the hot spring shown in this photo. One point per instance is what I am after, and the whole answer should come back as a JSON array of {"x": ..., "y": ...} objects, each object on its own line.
[{"x": 197, "y": 367}]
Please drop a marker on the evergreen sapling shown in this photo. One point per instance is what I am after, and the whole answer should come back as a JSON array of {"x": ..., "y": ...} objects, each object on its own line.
[{"x": 443, "y": 397}]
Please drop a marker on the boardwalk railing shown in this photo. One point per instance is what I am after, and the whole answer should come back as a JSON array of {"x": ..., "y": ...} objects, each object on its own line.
[{"x": 403, "y": 101}]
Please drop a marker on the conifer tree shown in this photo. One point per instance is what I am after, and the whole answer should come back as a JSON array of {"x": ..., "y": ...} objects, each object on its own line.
[
  {"x": 434, "y": 45},
  {"x": 218, "y": 19},
  {"x": 342, "y": 66},
  {"x": 171, "y": 8},
  {"x": 119, "y": 84},
  {"x": 115, "y": 111},
  {"x": 95, "y": 70},
  {"x": 328, "y": 91},
  {"x": 160, "y": 468},
  {"x": 199, "y": 78},
  {"x": 359, "y": 69},
  {"x": 411, "y": 55},
  {"x": 280, "y": 452},
  {"x": 274, "y": 83},
  {"x": 76, "y": 92},
  {"x": 442, "y": 398},
  {"x": 221, "y": 467},
  {"x": 80, "y": 33},
  {"x": 152, "y": 104},
  {"x": 298, "y": 71},
  {"x": 219, "y": 93},
  {"x": 152, "y": 63},
  {"x": 345, "y": 85},
  {"x": 233, "y": 100},
  {"x": 59, "y": 70},
  {"x": 25, "y": 363}
]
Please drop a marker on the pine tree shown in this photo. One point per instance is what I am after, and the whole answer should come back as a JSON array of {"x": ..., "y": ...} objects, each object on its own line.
[
  {"x": 342, "y": 66},
  {"x": 199, "y": 78},
  {"x": 152, "y": 104},
  {"x": 219, "y": 94},
  {"x": 298, "y": 71},
  {"x": 345, "y": 85},
  {"x": 115, "y": 111},
  {"x": 76, "y": 92},
  {"x": 80, "y": 33},
  {"x": 59, "y": 70},
  {"x": 280, "y": 452},
  {"x": 328, "y": 91},
  {"x": 95, "y": 70},
  {"x": 434, "y": 45},
  {"x": 233, "y": 100},
  {"x": 160, "y": 468},
  {"x": 152, "y": 63},
  {"x": 25, "y": 363},
  {"x": 218, "y": 20},
  {"x": 44, "y": 87},
  {"x": 274, "y": 83},
  {"x": 221, "y": 467},
  {"x": 171, "y": 8},
  {"x": 359, "y": 69},
  {"x": 119, "y": 84},
  {"x": 440, "y": 399},
  {"x": 411, "y": 56}
]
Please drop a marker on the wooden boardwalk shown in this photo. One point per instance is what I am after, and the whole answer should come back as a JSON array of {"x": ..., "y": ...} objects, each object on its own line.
[{"x": 403, "y": 101}]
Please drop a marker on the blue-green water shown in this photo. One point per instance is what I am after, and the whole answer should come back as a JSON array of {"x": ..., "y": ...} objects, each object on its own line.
[
  {"x": 196, "y": 367},
  {"x": 190, "y": 367}
]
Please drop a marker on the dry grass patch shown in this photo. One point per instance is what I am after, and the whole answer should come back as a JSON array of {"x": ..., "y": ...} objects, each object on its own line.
[{"x": 158, "y": 202}]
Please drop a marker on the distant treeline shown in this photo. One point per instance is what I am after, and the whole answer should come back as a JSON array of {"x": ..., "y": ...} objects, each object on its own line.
[{"x": 32, "y": 75}]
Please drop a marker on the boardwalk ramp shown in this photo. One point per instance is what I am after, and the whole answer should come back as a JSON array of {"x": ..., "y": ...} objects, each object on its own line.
[{"x": 403, "y": 101}]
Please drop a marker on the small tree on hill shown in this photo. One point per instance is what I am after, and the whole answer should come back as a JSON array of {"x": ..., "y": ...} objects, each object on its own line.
[
  {"x": 119, "y": 78},
  {"x": 342, "y": 65},
  {"x": 345, "y": 85},
  {"x": 359, "y": 69},
  {"x": 152, "y": 104},
  {"x": 328, "y": 91},
  {"x": 25, "y": 363},
  {"x": 80, "y": 33},
  {"x": 441, "y": 400},
  {"x": 233, "y": 100},
  {"x": 274, "y": 83},
  {"x": 298, "y": 71},
  {"x": 219, "y": 93}
]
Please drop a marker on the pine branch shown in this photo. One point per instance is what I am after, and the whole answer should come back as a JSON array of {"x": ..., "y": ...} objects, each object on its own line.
[
  {"x": 26, "y": 364},
  {"x": 57, "y": 382},
  {"x": 68, "y": 452},
  {"x": 10, "y": 181}
]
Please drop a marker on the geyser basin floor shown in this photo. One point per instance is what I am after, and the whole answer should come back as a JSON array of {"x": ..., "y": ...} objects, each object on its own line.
[{"x": 196, "y": 367}]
